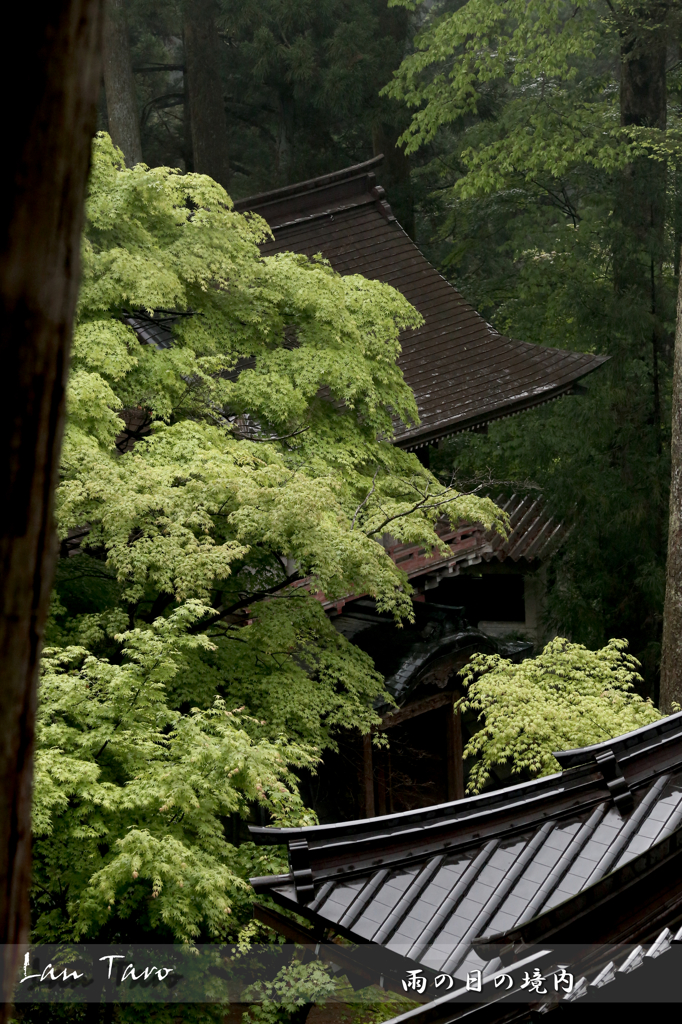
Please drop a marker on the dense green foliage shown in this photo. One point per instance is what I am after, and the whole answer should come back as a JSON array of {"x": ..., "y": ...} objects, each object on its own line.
[
  {"x": 313, "y": 71},
  {"x": 190, "y": 668},
  {"x": 566, "y": 697},
  {"x": 301, "y": 84},
  {"x": 536, "y": 75},
  {"x": 131, "y": 795},
  {"x": 178, "y": 603}
]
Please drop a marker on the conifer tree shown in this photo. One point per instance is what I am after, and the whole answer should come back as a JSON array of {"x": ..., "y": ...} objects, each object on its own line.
[
  {"x": 555, "y": 139},
  {"x": 205, "y": 107},
  {"x": 119, "y": 84},
  {"x": 671, "y": 646}
]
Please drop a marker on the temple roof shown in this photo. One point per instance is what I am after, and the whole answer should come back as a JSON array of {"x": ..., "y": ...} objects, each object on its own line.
[
  {"x": 464, "y": 374},
  {"x": 533, "y": 536},
  {"x": 579, "y": 856}
]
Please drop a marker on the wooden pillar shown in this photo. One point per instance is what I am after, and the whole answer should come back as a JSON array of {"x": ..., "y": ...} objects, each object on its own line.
[
  {"x": 368, "y": 774},
  {"x": 381, "y": 781},
  {"x": 389, "y": 783},
  {"x": 455, "y": 761}
]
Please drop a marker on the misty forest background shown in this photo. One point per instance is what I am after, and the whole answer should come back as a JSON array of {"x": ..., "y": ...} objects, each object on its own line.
[{"x": 572, "y": 251}]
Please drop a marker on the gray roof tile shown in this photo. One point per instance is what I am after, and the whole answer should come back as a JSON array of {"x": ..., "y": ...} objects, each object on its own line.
[{"x": 485, "y": 865}]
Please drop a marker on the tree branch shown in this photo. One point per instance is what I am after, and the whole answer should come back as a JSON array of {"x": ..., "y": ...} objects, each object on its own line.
[
  {"x": 364, "y": 502},
  {"x": 267, "y": 440},
  {"x": 245, "y": 602},
  {"x": 401, "y": 515}
]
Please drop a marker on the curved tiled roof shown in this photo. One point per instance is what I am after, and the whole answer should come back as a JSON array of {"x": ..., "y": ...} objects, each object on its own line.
[
  {"x": 153, "y": 330},
  {"x": 533, "y": 535},
  {"x": 434, "y": 886},
  {"x": 463, "y": 373}
]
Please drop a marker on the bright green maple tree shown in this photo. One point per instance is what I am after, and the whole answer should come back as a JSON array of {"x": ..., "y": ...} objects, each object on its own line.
[
  {"x": 567, "y": 697},
  {"x": 267, "y": 477}
]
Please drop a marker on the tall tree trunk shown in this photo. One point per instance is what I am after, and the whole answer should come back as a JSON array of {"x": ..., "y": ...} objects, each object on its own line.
[
  {"x": 671, "y": 648},
  {"x": 51, "y": 120},
  {"x": 119, "y": 84},
  {"x": 671, "y": 644},
  {"x": 396, "y": 175},
  {"x": 641, "y": 206},
  {"x": 285, "y": 137},
  {"x": 643, "y": 89},
  {"x": 390, "y": 121},
  {"x": 639, "y": 240},
  {"x": 187, "y": 147},
  {"x": 643, "y": 104},
  {"x": 205, "y": 90}
]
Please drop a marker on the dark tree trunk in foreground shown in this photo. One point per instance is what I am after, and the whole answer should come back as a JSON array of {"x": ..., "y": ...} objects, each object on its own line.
[
  {"x": 119, "y": 84},
  {"x": 205, "y": 91},
  {"x": 671, "y": 652},
  {"x": 51, "y": 120}
]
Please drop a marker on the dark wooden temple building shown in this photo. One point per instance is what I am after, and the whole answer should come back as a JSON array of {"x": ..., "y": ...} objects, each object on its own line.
[
  {"x": 588, "y": 860},
  {"x": 418, "y": 878},
  {"x": 464, "y": 374},
  {"x": 488, "y": 577},
  {"x": 486, "y": 594},
  {"x": 420, "y": 662}
]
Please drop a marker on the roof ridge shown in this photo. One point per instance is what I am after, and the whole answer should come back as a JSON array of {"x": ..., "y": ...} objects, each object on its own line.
[
  {"x": 301, "y": 187},
  {"x": 635, "y": 742},
  {"x": 624, "y": 744}
]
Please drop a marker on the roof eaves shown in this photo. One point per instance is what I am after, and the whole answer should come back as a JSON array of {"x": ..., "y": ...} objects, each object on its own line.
[
  {"x": 580, "y": 775},
  {"x": 417, "y": 437},
  {"x": 422, "y": 823}
]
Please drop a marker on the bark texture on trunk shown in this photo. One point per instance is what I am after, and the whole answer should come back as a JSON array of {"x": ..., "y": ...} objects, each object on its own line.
[
  {"x": 119, "y": 84},
  {"x": 639, "y": 240},
  {"x": 643, "y": 104},
  {"x": 52, "y": 119},
  {"x": 285, "y": 137},
  {"x": 671, "y": 648},
  {"x": 643, "y": 89},
  {"x": 395, "y": 176},
  {"x": 205, "y": 91},
  {"x": 187, "y": 147},
  {"x": 390, "y": 121}
]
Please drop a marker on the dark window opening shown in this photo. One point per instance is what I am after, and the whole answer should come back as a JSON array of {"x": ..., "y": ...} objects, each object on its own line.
[{"x": 493, "y": 597}]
